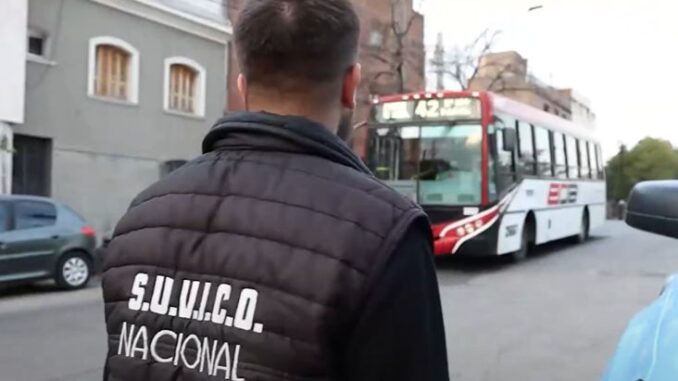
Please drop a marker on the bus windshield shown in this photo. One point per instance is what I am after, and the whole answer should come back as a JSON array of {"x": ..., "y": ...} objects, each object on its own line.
[{"x": 432, "y": 164}]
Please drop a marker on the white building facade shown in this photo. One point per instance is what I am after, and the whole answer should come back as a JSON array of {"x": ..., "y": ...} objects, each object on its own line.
[
  {"x": 13, "y": 34},
  {"x": 582, "y": 112}
]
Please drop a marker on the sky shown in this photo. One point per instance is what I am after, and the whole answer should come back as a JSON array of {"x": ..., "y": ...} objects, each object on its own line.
[{"x": 620, "y": 54}]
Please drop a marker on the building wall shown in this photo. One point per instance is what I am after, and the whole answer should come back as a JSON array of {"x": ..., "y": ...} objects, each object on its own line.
[
  {"x": 507, "y": 73},
  {"x": 582, "y": 112},
  {"x": 104, "y": 153},
  {"x": 234, "y": 103},
  {"x": 511, "y": 64},
  {"x": 375, "y": 17},
  {"x": 6, "y": 138}
]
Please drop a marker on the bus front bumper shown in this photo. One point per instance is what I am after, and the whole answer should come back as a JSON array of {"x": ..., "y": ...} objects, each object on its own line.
[
  {"x": 445, "y": 246},
  {"x": 480, "y": 245}
]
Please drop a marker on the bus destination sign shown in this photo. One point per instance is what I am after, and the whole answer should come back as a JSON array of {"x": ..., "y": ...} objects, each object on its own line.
[{"x": 427, "y": 110}]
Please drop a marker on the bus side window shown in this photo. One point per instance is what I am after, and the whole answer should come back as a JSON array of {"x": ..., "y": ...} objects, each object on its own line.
[
  {"x": 572, "y": 157},
  {"x": 584, "y": 159},
  {"x": 502, "y": 161},
  {"x": 543, "y": 151},
  {"x": 526, "y": 161},
  {"x": 559, "y": 162},
  {"x": 593, "y": 162},
  {"x": 599, "y": 163}
]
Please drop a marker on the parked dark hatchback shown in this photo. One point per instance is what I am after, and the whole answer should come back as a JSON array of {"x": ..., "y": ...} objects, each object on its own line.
[{"x": 41, "y": 238}]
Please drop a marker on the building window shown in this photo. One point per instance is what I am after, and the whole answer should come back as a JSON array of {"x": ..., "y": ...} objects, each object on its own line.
[
  {"x": 37, "y": 43},
  {"x": 113, "y": 70},
  {"x": 183, "y": 80},
  {"x": 376, "y": 39},
  {"x": 184, "y": 86}
]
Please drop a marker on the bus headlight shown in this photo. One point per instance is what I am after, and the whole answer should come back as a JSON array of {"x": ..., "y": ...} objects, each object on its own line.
[
  {"x": 479, "y": 224},
  {"x": 461, "y": 232},
  {"x": 469, "y": 228}
]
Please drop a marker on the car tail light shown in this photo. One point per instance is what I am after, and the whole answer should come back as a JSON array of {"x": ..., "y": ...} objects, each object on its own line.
[{"x": 88, "y": 231}]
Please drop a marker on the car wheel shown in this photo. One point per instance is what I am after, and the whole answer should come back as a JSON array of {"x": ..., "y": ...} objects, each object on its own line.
[{"x": 74, "y": 271}]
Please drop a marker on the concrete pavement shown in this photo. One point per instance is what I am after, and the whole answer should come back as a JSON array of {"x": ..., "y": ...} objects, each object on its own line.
[
  {"x": 557, "y": 316},
  {"x": 554, "y": 317},
  {"x": 48, "y": 335}
]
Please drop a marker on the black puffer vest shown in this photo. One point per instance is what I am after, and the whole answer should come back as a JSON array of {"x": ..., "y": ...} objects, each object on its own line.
[{"x": 250, "y": 262}]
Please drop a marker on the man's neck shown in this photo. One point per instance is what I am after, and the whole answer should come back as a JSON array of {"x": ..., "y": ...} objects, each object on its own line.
[{"x": 319, "y": 115}]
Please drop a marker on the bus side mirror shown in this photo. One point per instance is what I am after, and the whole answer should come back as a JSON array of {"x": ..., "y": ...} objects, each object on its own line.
[
  {"x": 653, "y": 207},
  {"x": 509, "y": 139}
]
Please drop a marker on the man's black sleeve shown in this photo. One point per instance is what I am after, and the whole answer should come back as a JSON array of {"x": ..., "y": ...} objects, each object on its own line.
[{"x": 400, "y": 334}]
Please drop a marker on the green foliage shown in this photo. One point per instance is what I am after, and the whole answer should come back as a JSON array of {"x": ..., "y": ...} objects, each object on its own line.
[{"x": 650, "y": 159}]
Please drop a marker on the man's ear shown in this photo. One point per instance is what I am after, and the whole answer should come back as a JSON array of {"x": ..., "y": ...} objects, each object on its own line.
[
  {"x": 242, "y": 88},
  {"x": 350, "y": 86}
]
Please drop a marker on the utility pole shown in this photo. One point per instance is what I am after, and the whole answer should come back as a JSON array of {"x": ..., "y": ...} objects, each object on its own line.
[{"x": 438, "y": 63}]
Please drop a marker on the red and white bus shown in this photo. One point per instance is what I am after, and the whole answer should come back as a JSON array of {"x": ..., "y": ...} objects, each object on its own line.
[{"x": 495, "y": 176}]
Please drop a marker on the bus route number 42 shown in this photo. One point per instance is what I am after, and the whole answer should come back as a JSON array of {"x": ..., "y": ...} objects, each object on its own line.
[{"x": 441, "y": 108}]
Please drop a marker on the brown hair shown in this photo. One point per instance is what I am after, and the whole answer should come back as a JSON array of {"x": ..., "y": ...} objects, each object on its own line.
[{"x": 296, "y": 45}]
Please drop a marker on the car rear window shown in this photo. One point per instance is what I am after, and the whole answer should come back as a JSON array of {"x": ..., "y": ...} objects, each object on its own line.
[
  {"x": 34, "y": 214},
  {"x": 72, "y": 215}
]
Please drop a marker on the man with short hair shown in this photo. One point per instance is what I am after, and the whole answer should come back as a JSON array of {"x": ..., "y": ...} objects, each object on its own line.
[{"x": 276, "y": 255}]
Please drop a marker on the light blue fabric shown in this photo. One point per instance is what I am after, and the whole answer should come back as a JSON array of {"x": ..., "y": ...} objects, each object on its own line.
[{"x": 648, "y": 350}]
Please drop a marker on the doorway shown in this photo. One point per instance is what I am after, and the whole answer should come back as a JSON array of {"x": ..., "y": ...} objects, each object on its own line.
[{"x": 32, "y": 166}]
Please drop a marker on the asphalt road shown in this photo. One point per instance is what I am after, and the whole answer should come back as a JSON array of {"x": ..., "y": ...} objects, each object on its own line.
[{"x": 554, "y": 317}]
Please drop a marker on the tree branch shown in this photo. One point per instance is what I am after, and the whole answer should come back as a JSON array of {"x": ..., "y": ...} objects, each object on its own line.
[
  {"x": 376, "y": 76},
  {"x": 486, "y": 48},
  {"x": 381, "y": 58}
]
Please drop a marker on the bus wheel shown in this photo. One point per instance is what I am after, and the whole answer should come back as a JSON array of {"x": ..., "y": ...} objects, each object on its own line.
[
  {"x": 524, "y": 250},
  {"x": 585, "y": 228}
]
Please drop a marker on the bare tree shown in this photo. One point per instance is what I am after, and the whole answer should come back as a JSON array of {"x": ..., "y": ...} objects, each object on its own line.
[
  {"x": 394, "y": 52},
  {"x": 463, "y": 63}
]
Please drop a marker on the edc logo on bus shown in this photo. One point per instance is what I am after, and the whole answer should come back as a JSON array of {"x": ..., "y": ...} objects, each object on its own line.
[{"x": 561, "y": 194}]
